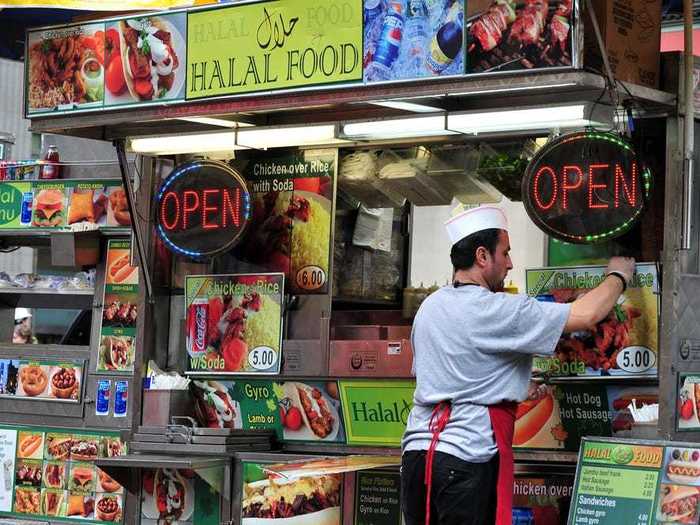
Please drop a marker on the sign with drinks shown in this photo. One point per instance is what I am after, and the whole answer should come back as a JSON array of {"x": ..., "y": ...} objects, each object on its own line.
[
  {"x": 408, "y": 39},
  {"x": 295, "y": 410},
  {"x": 291, "y": 217},
  {"x": 50, "y": 474},
  {"x": 272, "y": 45},
  {"x": 120, "y": 310},
  {"x": 586, "y": 187},
  {"x": 637, "y": 482},
  {"x": 234, "y": 323},
  {"x": 202, "y": 209},
  {"x": 624, "y": 343},
  {"x": 63, "y": 204}
]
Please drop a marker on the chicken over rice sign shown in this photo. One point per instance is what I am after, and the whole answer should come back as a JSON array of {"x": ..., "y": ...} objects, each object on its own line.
[
  {"x": 586, "y": 187},
  {"x": 202, "y": 209}
]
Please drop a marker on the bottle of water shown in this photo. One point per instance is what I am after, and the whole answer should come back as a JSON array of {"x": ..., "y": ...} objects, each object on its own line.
[
  {"x": 416, "y": 33},
  {"x": 387, "y": 50}
]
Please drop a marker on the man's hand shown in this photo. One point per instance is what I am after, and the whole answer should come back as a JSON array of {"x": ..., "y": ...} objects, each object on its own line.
[{"x": 623, "y": 266}]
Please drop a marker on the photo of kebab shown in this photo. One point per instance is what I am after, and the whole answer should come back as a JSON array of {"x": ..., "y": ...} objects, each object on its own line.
[
  {"x": 120, "y": 314},
  {"x": 521, "y": 35}
]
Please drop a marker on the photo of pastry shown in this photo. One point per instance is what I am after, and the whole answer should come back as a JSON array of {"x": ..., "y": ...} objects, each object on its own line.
[
  {"x": 145, "y": 61},
  {"x": 33, "y": 381},
  {"x": 118, "y": 209},
  {"x": 120, "y": 310},
  {"x": 106, "y": 483},
  {"x": 80, "y": 506},
  {"x": 116, "y": 353},
  {"x": 82, "y": 478},
  {"x": 27, "y": 501},
  {"x": 30, "y": 445},
  {"x": 48, "y": 208},
  {"x": 54, "y": 502},
  {"x": 65, "y": 68},
  {"x": 88, "y": 205},
  {"x": 84, "y": 448},
  {"x": 118, "y": 269},
  {"x": 108, "y": 507},
  {"x": 55, "y": 475},
  {"x": 307, "y": 413},
  {"x": 58, "y": 446},
  {"x": 65, "y": 382},
  {"x": 28, "y": 472},
  {"x": 678, "y": 504}
]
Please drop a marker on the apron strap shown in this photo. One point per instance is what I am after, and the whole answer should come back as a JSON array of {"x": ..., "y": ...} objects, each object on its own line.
[
  {"x": 438, "y": 421},
  {"x": 503, "y": 423}
]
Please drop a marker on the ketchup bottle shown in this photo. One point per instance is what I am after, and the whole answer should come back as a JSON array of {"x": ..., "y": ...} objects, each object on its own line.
[{"x": 51, "y": 170}]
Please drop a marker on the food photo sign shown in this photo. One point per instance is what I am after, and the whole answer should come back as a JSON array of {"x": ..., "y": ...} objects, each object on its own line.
[
  {"x": 117, "y": 348},
  {"x": 296, "y": 410},
  {"x": 50, "y": 474},
  {"x": 292, "y": 210},
  {"x": 42, "y": 379},
  {"x": 624, "y": 343},
  {"x": 63, "y": 204},
  {"x": 234, "y": 323}
]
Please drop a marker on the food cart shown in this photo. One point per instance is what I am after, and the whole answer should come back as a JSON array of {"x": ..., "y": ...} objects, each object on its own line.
[{"x": 288, "y": 198}]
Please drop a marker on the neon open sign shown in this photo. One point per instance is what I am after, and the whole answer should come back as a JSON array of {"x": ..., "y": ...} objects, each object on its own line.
[
  {"x": 202, "y": 208},
  {"x": 586, "y": 187}
]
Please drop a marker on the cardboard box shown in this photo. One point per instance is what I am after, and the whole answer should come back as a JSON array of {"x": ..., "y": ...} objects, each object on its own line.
[{"x": 631, "y": 30}]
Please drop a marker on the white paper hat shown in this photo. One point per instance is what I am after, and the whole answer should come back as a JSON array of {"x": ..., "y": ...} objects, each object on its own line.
[{"x": 475, "y": 220}]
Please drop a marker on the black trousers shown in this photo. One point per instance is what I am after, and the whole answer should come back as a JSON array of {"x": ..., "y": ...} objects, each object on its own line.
[{"x": 463, "y": 493}]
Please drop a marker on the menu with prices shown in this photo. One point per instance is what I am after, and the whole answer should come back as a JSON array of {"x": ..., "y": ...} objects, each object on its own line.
[
  {"x": 119, "y": 311},
  {"x": 636, "y": 482},
  {"x": 51, "y": 473}
]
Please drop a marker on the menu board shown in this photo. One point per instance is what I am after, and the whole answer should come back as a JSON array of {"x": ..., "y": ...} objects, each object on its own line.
[
  {"x": 234, "y": 323},
  {"x": 119, "y": 310},
  {"x": 290, "y": 229},
  {"x": 50, "y": 473},
  {"x": 624, "y": 343},
  {"x": 42, "y": 379},
  {"x": 541, "y": 499},
  {"x": 63, "y": 203},
  {"x": 636, "y": 482},
  {"x": 377, "y": 498},
  {"x": 310, "y": 499},
  {"x": 296, "y": 410}
]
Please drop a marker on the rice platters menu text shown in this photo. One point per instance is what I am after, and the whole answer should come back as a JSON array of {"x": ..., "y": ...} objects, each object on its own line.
[
  {"x": 234, "y": 323},
  {"x": 615, "y": 483},
  {"x": 119, "y": 310},
  {"x": 624, "y": 343}
]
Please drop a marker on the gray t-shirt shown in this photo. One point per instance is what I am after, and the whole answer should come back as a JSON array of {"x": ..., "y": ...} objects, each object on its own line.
[{"x": 474, "y": 348}]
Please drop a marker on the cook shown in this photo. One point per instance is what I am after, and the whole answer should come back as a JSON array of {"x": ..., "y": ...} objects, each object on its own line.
[{"x": 473, "y": 349}]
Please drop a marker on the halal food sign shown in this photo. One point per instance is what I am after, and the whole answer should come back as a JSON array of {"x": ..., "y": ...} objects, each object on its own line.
[
  {"x": 586, "y": 187},
  {"x": 202, "y": 209}
]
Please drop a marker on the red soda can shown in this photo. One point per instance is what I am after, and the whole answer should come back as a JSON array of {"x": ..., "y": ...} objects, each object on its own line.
[{"x": 197, "y": 315}]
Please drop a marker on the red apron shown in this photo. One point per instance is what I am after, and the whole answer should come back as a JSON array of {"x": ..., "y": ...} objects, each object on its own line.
[{"x": 503, "y": 424}]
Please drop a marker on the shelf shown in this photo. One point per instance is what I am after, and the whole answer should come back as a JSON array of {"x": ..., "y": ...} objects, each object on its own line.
[
  {"x": 130, "y": 461},
  {"x": 47, "y": 298},
  {"x": 38, "y": 237},
  {"x": 627, "y": 379}
]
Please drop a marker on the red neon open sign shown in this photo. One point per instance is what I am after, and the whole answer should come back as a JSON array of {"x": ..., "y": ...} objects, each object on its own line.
[
  {"x": 202, "y": 208},
  {"x": 585, "y": 187}
]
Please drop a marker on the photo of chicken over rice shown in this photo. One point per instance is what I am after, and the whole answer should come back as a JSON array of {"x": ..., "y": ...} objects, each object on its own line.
[{"x": 65, "y": 67}]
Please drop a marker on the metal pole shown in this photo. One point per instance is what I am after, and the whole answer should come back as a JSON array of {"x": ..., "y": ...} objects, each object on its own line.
[
  {"x": 135, "y": 230},
  {"x": 688, "y": 125}
]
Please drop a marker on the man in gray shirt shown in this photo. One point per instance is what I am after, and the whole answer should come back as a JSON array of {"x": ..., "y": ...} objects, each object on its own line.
[{"x": 473, "y": 349}]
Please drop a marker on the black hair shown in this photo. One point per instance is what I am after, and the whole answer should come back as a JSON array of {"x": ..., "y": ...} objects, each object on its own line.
[{"x": 463, "y": 253}]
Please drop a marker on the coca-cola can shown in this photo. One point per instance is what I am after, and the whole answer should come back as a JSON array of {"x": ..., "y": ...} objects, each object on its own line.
[{"x": 197, "y": 315}]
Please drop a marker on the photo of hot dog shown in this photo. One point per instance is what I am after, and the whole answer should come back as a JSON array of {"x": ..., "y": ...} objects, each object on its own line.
[
  {"x": 120, "y": 272},
  {"x": 683, "y": 466},
  {"x": 678, "y": 504},
  {"x": 537, "y": 420},
  {"x": 30, "y": 445}
]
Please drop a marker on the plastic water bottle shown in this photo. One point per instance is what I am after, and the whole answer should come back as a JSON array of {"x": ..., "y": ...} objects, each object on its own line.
[
  {"x": 389, "y": 43},
  {"x": 416, "y": 33}
]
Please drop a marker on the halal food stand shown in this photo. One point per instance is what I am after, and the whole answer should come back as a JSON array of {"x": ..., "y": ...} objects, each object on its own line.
[{"x": 290, "y": 188}]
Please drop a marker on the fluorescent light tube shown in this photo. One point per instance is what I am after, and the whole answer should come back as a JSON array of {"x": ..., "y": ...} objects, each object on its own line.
[
  {"x": 396, "y": 128},
  {"x": 407, "y": 106},
  {"x": 180, "y": 144},
  {"x": 216, "y": 122},
  {"x": 575, "y": 115},
  {"x": 262, "y": 138}
]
